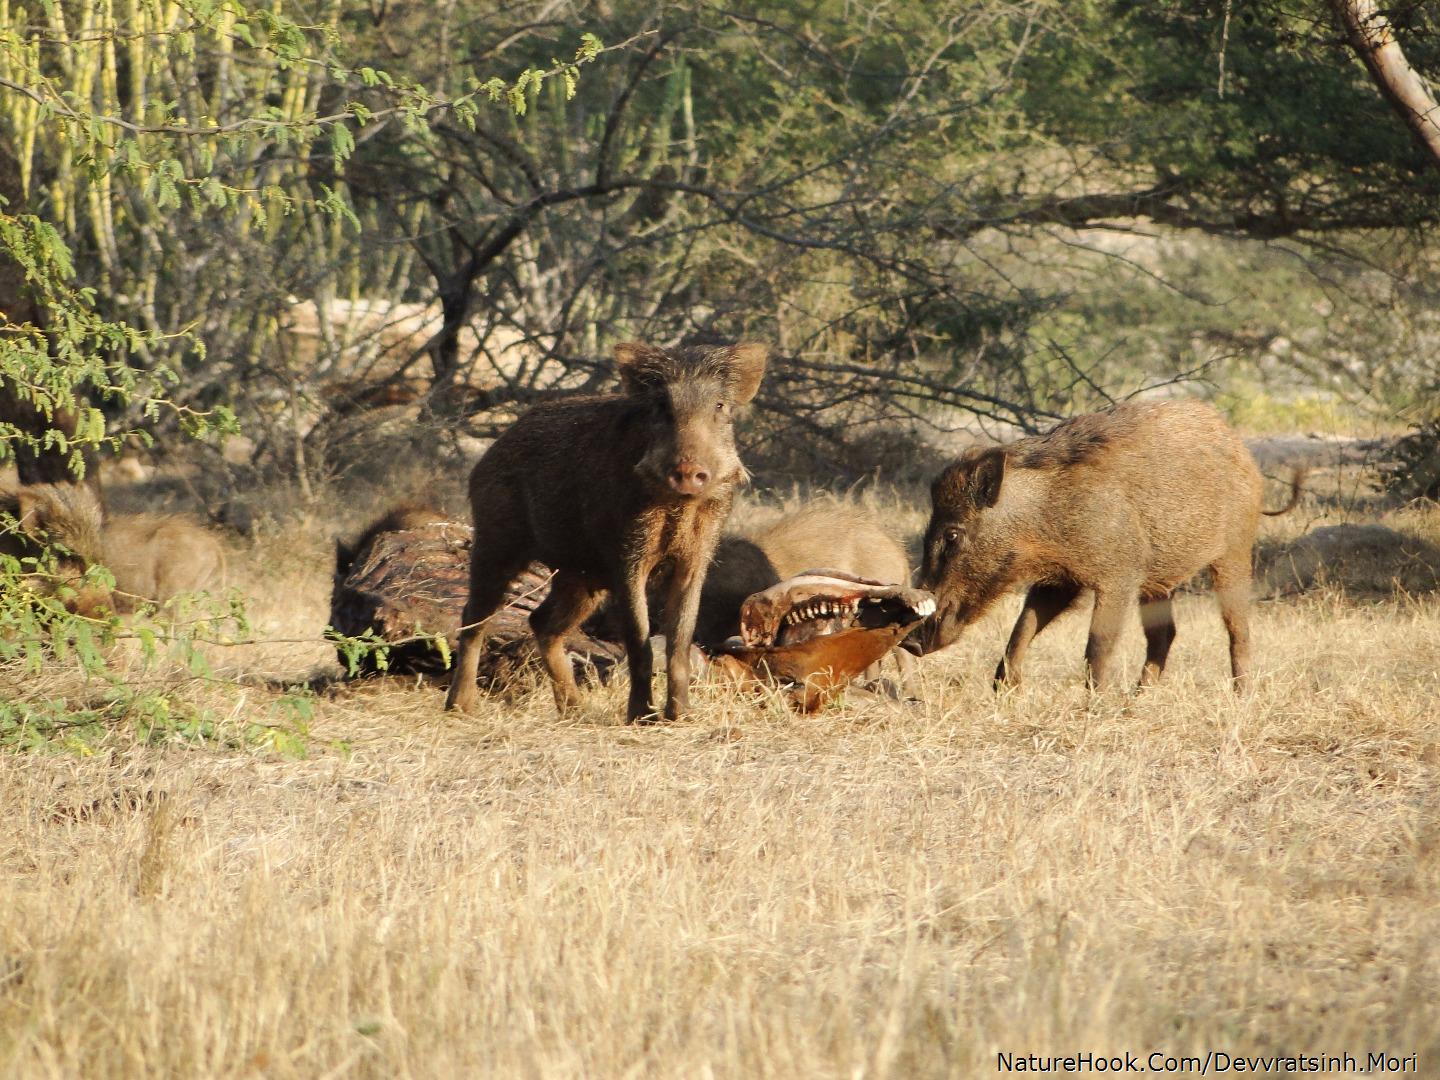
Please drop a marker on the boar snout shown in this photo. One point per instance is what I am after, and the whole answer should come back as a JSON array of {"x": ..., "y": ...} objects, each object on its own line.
[
  {"x": 936, "y": 632},
  {"x": 689, "y": 478}
]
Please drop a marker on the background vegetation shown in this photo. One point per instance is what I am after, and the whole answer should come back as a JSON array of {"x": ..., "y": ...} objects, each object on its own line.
[{"x": 355, "y": 223}]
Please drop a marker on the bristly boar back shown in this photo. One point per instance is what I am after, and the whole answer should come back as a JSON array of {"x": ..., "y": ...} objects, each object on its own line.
[{"x": 1126, "y": 504}]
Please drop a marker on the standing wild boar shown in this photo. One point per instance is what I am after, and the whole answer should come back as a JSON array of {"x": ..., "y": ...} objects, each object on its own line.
[
  {"x": 1128, "y": 504},
  {"x": 604, "y": 490}
]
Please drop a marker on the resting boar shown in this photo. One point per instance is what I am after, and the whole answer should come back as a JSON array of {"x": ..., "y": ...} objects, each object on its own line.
[
  {"x": 1128, "y": 504},
  {"x": 604, "y": 490},
  {"x": 67, "y": 515},
  {"x": 155, "y": 557},
  {"x": 151, "y": 556},
  {"x": 823, "y": 535},
  {"x": 402, "y": 518}
]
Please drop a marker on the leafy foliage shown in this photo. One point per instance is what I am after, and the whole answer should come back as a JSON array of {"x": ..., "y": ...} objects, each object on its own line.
[
  {"x": 1415, "y": 471},
  {"x": 132, "y": 130}
]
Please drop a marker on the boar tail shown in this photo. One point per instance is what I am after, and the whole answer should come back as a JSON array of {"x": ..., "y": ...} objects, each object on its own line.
[{"x": 1297, "y": 487}]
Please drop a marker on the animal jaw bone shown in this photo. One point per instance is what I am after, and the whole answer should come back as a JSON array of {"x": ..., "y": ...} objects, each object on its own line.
[{"x": 816, "y": 632}]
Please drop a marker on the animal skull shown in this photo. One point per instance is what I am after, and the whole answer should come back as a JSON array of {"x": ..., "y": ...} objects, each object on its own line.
[{"x": 814, "y": 633}]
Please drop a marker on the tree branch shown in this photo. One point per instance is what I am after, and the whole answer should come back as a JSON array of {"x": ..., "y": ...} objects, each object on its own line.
[{"x": 1373, "y": 40}]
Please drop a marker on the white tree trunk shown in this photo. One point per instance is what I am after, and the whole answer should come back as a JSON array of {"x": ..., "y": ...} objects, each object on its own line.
[{"x": 1373, "y": 39}]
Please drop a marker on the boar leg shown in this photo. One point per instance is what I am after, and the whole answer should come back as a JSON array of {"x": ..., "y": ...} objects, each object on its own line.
[
  {"x": 1232, "y": 589},
  {"x": 1043, "y": 604},
  {"x": 906, "y": 665},
  {"x": 570, "y": 602},
  {"x": 1157, "y": 616},
  {"x": 635, "y": 629},
  {"x": 493, "y": 565},
  {"x": 1112, "y": 612},
  {"x": 682, "y": 605}
]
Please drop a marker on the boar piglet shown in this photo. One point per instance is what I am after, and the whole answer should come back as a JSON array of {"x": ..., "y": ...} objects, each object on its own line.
[
  {"x": 1126, "y": 504},
  {"x": 605, "y": 490}
]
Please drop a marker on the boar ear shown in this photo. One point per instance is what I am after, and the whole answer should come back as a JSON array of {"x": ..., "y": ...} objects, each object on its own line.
[
  {"x": 987, "y": 477},
  {"x": 344, "y": 558},
  {"x": 35, "y": 509},
  {"x": 638, "y": 365},
  {"x": 747, "y": 368}
]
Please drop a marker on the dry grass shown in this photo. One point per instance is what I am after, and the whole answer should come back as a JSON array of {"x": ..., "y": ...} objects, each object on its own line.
[{"x": 883, "y": 890}]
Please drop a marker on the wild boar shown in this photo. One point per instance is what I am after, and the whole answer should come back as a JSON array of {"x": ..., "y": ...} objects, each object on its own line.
[
  {"x": 604, "y": 490},
  {"x": 152, "y": 557},
  {"x": 401, "y": 518},
  {"x": 68, "y": 518},
  {"x": 1128, "y": 504},
  {"x": 155, "y": 557},
  {"x": 825, "y": 534}
]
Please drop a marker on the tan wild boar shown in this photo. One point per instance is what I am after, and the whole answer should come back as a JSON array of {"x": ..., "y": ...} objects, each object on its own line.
[
  {"x": 67, "y": 515},
  {"x": 825, "y": 534},
  {"x": 155, "y": 557},
  {"x": 151, "y": 556},
  {"x": 1128, "y": 504}
]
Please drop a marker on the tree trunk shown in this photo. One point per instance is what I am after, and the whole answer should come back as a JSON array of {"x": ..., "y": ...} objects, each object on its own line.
[{"x": 1374, "y": 41}]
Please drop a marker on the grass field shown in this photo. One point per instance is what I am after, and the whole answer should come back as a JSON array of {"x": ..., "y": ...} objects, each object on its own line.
[{"x": 886, "y": 889}]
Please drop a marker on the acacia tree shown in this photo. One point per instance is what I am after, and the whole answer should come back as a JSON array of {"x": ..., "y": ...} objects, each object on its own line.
[{"x": 155, "y": 156}]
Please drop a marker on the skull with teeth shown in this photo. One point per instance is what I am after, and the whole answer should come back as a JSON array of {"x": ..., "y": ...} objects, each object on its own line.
[{"x": 816, "y": 632}]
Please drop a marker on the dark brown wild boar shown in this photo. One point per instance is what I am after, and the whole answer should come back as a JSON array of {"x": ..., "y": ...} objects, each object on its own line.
[
  {"x": 155, "y": 557},
  {"x": 826, "y": 534},
  {"x": 604, "y": 490},
  {"x": 1128, "y": 504},
  {"x": 407, "y": 577}
]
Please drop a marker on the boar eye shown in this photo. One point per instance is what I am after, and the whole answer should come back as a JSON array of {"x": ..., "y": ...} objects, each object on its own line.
[
  {"x": 953, "y": 534},
  {"x": 720, "y": 406}
]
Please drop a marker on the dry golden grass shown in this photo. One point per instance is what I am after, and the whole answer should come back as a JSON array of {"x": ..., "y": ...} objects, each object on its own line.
[{"x": 881, "y": 890}]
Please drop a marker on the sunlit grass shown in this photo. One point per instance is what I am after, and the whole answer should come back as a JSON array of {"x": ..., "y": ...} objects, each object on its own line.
[{"x": 881, "y": 890}]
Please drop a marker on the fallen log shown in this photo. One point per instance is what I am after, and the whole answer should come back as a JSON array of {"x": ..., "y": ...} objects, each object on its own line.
[{"x": 407, "y": 586}]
